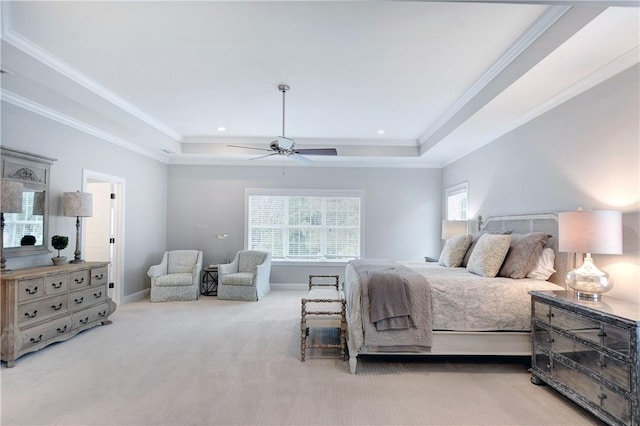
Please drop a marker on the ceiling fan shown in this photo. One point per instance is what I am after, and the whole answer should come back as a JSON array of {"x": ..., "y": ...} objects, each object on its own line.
[{"x": 286, "y": 146}]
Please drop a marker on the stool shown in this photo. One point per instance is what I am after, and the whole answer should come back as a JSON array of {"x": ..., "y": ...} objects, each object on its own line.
[{"x": 324, "y": 307}]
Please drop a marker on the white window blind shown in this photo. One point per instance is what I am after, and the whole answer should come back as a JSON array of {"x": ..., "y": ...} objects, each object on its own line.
[
  {"x": 302, "y": 227},
  {"x": 457, "y": 202}
]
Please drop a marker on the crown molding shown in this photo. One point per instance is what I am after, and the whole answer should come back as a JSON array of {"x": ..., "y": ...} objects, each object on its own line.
[
  {"x": 539, "y": 27},
  {"x": 56, "y": 64},
  {"x": 622, "y": 63},
  {"x": 26, "y": 104}
]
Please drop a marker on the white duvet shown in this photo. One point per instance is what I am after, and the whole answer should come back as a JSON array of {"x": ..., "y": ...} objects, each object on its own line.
[{"x": 461, "y": 301}]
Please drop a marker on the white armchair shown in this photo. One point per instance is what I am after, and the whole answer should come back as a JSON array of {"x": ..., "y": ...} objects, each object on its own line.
[
  {"x": 246, "y": 277},
  {"x": 177, "y": 277}
]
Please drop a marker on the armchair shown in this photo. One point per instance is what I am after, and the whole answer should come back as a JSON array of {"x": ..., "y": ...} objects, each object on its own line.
[
  {"x": 177, "y": 277},
  {"x": 246, "y": 277}
]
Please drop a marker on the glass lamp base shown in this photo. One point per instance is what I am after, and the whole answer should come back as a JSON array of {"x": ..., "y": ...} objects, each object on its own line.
[{"x": 588, "y": 281}]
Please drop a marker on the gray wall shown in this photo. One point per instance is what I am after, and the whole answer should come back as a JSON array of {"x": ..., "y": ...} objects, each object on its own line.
[
  {"x": 582, "y": 153},
  {"x": 146, "y": 200},
  {"x": 401, "y": 209}
]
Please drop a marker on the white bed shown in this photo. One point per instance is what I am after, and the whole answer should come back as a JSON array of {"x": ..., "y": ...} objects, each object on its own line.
[{"x": 470, "y": 314}]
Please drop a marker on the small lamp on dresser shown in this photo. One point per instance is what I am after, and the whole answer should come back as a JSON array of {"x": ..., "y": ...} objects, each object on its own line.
[
  {"x": 78, "y": 204},
  {"x": 587, "y": 232},
  {"x": 10, "y": 202}
]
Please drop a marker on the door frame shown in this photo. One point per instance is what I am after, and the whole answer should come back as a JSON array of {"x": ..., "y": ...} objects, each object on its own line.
[{"x": 117, "y": 276}]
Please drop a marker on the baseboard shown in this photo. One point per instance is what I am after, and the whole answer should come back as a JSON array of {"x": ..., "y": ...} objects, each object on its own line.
[
  {"x": 288, "y": 286},
  {"x": 137, "y": 297}
]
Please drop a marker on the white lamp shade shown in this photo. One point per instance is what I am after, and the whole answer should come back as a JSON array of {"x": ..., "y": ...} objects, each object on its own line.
[
  {"x": 451, "y": 228},
  {"x": 595, "y": 231},
  {"x": 11, "y": 196},
  {"x": 78, "y": 204}
]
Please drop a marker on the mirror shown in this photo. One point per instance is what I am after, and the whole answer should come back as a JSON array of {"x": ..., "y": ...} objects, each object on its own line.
[{"x": 26, "y": 233}]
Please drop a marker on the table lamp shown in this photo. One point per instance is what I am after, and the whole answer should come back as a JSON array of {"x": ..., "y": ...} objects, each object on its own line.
[
  {"x": 451, "y": 228},
  {"x": 78, "y": 204},
  {"x": 590, "y": 231},
  {"x": 10, "y": 202}
]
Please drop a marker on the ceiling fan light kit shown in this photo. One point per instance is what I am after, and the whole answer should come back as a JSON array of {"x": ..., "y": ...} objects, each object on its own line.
[{"x": 286, "y": 146}]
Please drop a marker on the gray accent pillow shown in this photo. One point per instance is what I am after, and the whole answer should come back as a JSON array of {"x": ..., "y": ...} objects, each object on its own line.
[
  {"x": 454, "y": 250},
  {"x": 524, "y": 252},
  {"x": 467, "y": 255},
  {"x": 488, "y": 255}
]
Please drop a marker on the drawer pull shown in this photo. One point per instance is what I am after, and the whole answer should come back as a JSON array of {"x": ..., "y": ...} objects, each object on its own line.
[
  {"x": 57, "y": 285},
  {"x": 102, "y": 314},
  {"x": 602, "y": 334},
  {"x": 97, "y": 295},
  {"x": 57, "y": 308},
  {"x": 98, "y": 277},
  {"x": 79, "y": 301},
  {"x": 550, "y": 315},
  {"x": 550, "y": 341},
  {"x": 31, "y": 315},
  {"x": 84, "y": 321},
  {"x": 34, "y": 340},
  {"x": 79, "y": 281},
  {"x": 62, "y": 330},
  {"x": 31, "y": 290},
  {"x": 602, "y": 396}
]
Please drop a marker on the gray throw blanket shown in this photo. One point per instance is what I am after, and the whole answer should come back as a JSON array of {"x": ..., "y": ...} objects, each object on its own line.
[
  {"x": 364, "y": 332},
  {"x": 389, "y": 308}
]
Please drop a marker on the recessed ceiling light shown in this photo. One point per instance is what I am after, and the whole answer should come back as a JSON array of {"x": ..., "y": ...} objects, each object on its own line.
[
  {"x": 222, "y": 129},
  {"x": 380, "y": 131}
]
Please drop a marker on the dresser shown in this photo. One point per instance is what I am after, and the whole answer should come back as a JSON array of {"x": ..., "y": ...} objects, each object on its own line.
[
  {"x": 589, "y": 352},
  {"x": 49, "y": 304}
]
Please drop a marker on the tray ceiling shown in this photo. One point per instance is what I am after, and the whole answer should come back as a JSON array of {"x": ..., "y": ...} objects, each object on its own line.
[{"x": 416, "y": 84}]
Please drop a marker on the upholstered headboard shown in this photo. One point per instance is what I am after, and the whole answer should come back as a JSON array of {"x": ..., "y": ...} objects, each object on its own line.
[{"x": 534, "y": 222}]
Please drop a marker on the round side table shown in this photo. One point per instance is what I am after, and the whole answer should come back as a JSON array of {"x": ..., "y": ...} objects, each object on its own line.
[{"x": 209, "y": 286}]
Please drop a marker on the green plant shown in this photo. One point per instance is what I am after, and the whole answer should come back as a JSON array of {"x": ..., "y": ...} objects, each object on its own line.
[{"x": 59, "y": 242}]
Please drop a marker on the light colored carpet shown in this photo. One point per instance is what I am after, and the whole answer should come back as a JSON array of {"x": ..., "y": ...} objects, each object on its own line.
[{"x": 237, "y": 363}]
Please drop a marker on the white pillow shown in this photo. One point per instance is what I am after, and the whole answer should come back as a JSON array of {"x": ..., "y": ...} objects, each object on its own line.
[
  {"x": 488, "y": 255},
  {"x": 544, "y": 266},
  {"x": 454, "y": 250}
]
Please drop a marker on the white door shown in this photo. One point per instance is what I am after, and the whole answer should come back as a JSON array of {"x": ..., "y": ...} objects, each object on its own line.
[{"x": 104, "y": 229}]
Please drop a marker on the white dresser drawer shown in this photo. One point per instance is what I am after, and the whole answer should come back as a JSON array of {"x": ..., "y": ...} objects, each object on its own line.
[
  {"x": 32, "y": 312},
  {"x": 79, "y": 279},
  {"x": 79, "y": 300},
  {"x": 88, "y": 316},
  {"x": 56, "y": 284},
  {"x": 43, "y": 333},
  {"x": 30, "y": 289},
  {"x": 99, "y": 276}
]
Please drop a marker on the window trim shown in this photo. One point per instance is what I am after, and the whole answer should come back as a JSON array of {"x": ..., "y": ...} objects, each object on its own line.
[{"x": 302, "y": 192}]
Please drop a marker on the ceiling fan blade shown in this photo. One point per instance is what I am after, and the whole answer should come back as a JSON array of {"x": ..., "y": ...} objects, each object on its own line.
[
  {"x": 300, "y": 159},
  {"x": 317, "y": 151},
  {"x": 249, "y": 147},
  {"x": 263, "y": 156}
]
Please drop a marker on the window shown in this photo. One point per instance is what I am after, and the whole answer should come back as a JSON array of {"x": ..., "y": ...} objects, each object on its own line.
[
  {"x": 457, "y": 202},
  {"x": 305, "y": 226}
]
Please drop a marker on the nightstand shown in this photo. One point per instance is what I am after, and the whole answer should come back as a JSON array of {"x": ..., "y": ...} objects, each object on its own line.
[{"x": 588, "y": 351}]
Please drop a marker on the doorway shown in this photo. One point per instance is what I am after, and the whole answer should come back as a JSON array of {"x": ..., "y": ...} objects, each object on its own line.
[{"x": 104, "y": 230}]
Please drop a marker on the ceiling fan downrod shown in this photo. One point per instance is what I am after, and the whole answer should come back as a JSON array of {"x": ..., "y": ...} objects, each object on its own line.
[{"x": 284, "y": 89}]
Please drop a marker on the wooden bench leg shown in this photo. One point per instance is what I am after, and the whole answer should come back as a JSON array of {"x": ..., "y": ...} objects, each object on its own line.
[{"x": 303, "y": 331}]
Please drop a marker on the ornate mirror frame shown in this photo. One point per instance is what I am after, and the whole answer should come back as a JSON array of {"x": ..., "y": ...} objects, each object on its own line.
[{"x": 33, "y": 172}]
